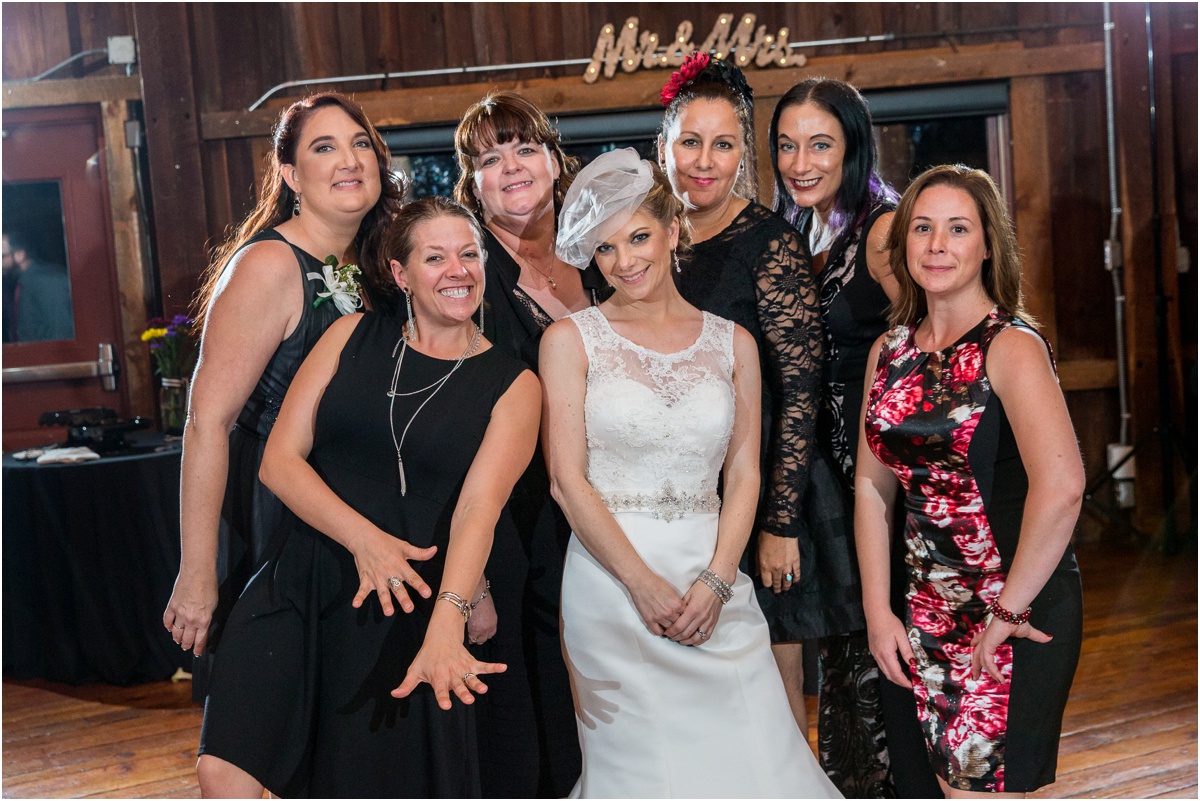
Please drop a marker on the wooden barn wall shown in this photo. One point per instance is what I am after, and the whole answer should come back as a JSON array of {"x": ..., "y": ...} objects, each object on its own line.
[{"x": 204, "y": 60}]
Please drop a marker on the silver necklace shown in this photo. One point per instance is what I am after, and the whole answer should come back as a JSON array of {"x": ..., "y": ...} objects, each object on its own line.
[{"x": 402, "y": 344}]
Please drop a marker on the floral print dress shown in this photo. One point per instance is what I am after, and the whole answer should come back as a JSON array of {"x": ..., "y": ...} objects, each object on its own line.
[{"x": 933, "y": 419}]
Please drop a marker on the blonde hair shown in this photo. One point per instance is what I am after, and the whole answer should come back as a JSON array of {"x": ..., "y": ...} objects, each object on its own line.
[{"x": 1001, "y": 272}]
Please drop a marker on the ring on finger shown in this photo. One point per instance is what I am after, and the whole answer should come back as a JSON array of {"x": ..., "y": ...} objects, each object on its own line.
[
  {"x": 701, "y": 634},
  {"x": 394, "y": 582},
  {"x": 177, "y": 626},
  {"x": 788, "y": 577},
  {"x": 466, "y": 676}
]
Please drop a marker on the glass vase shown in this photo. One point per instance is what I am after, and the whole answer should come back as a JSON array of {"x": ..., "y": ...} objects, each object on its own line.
[{"x": 172, "y": 405}]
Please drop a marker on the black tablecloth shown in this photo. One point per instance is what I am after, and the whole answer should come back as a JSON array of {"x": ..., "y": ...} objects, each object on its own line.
[{"x": 90, "y": 556}]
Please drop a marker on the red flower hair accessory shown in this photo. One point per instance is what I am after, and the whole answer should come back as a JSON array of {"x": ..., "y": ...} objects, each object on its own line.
[{"x": 687, "y": 72}]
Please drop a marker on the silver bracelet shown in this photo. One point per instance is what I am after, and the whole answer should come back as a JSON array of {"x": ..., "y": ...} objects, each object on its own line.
[
  {"x": 717, "y": 585},
  {"x": 461, "y": 603},
  {"x": 487, "y": 585}
]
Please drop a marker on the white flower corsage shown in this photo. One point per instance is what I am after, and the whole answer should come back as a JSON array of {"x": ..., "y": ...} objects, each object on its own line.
[{"x": 341, "y": 284}]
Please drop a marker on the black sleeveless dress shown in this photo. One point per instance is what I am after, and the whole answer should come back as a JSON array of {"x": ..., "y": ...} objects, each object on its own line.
[
  {"x": 300, "y": 697},
  {"x": 251, "y": 512}
]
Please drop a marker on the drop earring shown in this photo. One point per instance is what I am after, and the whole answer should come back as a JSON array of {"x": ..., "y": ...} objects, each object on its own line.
[
  {"x": 675, "y": 259},
  {"x": 481, "y": 303},
  {"x": 296, "y": 206},
  {"x": 412, "y": 320}
]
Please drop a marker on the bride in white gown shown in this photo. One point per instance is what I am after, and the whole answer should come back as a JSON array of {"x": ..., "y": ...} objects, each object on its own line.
[{"x": 648, "y": 402}]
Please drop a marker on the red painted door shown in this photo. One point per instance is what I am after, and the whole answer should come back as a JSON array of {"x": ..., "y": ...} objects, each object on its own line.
[{"x": 61, "y": 296}]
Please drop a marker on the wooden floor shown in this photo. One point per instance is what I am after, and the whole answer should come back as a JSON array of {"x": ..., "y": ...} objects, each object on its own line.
[{"x": 1129, "y": 732}]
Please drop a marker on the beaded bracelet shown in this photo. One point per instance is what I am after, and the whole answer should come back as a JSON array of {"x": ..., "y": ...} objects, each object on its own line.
[
  {"x": 999, "y": 611},
  {"x": 487, "y": 585},
  {"x": 717, "y": 585},
  {"x": 461, "y": 603}
]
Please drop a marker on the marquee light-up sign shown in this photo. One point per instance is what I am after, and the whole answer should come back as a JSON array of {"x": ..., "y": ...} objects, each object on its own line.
[{"x": 740, "y": 45}]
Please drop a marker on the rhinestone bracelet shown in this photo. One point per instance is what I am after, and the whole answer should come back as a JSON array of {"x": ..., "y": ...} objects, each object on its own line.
[
  {"x": 717, "y": 585},
  {"x": 461, "y": 603},
  {"x": 487, "y": 585},
  {"x": 999, "y": 611}
]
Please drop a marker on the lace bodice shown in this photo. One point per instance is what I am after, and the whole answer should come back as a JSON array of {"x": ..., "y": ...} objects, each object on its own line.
[{"x": 658, "y": 424}]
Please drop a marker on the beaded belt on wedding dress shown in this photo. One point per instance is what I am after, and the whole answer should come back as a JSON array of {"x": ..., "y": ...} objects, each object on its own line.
[{"x": 666, "y": 504}]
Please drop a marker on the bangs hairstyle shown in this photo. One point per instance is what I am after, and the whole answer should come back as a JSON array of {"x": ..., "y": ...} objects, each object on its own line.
[
  {"x": 274, "y": 205},
  {"x": 862, "y": 186},
  {"x": 500, "y": 118},
  {"x": 400, "y": 238},
  {"x": 1001, "y": 272},
  {"x": 720, "y": 80}
]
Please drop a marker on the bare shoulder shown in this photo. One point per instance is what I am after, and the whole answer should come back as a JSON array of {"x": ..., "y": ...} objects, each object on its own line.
[
  {"x": 562, "y": 335},
  {"x": 743, "y": 340},
  {"x": 1018, "y": 357},
  {"x": 878, "y": 235},
  {"x": 269, "y": 261}
]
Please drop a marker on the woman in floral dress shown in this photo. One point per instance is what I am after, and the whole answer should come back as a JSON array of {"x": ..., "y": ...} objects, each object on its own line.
[{"x": 965, "y": 413}]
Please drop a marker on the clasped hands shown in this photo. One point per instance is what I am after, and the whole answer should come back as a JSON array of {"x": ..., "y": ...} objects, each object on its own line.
[{"x": 688, "y": 620}]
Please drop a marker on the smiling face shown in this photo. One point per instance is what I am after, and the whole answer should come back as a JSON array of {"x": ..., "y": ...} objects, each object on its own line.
[
  {"x": 702, "y": 152},
  {"x": 336, "y": 170},
  {"x": 515, "y": 180},
  {"x": 636, "y": 260},
  {"x": 811, "y": 150},
  {"x": 945, "y": 243},
  {"x": 444, "y": 270}
]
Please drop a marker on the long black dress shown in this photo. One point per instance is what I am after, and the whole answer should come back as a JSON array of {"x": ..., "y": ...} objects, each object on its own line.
[
  {"x": 528, "y": 743},
  {"x": 757, "y": 273},
  {"x": 251, "y": 512},
  {"x": 300, "y": 697}
]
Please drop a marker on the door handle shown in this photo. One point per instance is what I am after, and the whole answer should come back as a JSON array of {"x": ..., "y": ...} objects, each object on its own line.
[{"x": 105, "y": 368}]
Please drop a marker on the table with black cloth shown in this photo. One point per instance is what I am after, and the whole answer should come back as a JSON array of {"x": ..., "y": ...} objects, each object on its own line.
[{"x": 90, "y": 555}]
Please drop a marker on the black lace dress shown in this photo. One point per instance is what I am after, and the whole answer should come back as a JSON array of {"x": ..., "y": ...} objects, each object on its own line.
[
  {"x": 300, "y": 697},
  {"x": 251, "y": 512},
  {"x": 528, "y": 743},
  {"x": 757, "y": 273}
]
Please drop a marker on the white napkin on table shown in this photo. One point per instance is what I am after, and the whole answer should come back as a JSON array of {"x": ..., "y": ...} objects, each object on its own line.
[{"x": 67, "y": 455}]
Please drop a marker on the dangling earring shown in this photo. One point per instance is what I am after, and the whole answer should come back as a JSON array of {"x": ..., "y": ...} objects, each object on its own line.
[
  {"x": 675, "y": 260},
  {"x": 481, "y": 302},
  {"x": 296, "y": 206},
  {"x": 412, "y": 320}
]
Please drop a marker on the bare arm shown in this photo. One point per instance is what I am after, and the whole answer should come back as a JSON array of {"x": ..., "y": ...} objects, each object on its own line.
[
  {"x": 507, "y": 447},
  {"x": 878, "y": 253},
  {"x": 1022, "y": 377},
  {"x": 256, "y": 307},
  {"x": 875, "y": 488},
  {"x": 563, "y": 364},
  {"x": 740, "y": 496}
]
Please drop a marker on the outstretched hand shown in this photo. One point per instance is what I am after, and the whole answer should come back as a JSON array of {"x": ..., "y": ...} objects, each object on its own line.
[
  {"x": 985, "y": 643},
  {"x": 383, "y": 568},
  {"x": 447, "y": 667}
]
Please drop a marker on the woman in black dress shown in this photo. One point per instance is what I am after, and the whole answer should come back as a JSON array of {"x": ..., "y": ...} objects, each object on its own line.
[
  {"x": 827, "y": 183},
  {"x": 513, "y": 173},
  {"x": 328, "y": 192},
  {"x": 964, "y": 414},
  {"x": 747, "y": 265},
  {"x": 395, "y": 451}
]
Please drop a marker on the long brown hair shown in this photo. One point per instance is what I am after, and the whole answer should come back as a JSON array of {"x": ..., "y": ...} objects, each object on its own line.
[
  {"x": 1001, "y": 272},
  {"x": 276, "y": 200},
  {"x": 499, "y": 118}
]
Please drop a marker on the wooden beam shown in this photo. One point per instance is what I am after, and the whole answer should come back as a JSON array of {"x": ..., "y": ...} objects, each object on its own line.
[
  {"x": 425, "y": 105},
  {"x": 71, "y": 92},
  {"x": 1031, "y": 199},
  {"x": 168, "y": 89},
  {"x": 130, "y": 265},
  {"x": 1086, "y": 374},
  {"x": 1137, "y": 199},
  {"x": 763, "y": 109}
]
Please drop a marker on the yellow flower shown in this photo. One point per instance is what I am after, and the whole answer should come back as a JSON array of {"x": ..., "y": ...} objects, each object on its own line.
[{"x": 153, "y": 333}]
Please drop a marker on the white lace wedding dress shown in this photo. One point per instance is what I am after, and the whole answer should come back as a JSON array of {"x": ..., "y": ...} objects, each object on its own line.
[{"x": 657, "y": 719}]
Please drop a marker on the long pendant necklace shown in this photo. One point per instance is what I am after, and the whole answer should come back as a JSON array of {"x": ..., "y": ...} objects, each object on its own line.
[{"x": 402, "y": 344}]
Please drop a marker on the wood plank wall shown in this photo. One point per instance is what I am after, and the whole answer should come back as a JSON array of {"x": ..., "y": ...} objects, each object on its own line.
[{"x": 206, "y": 63}]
